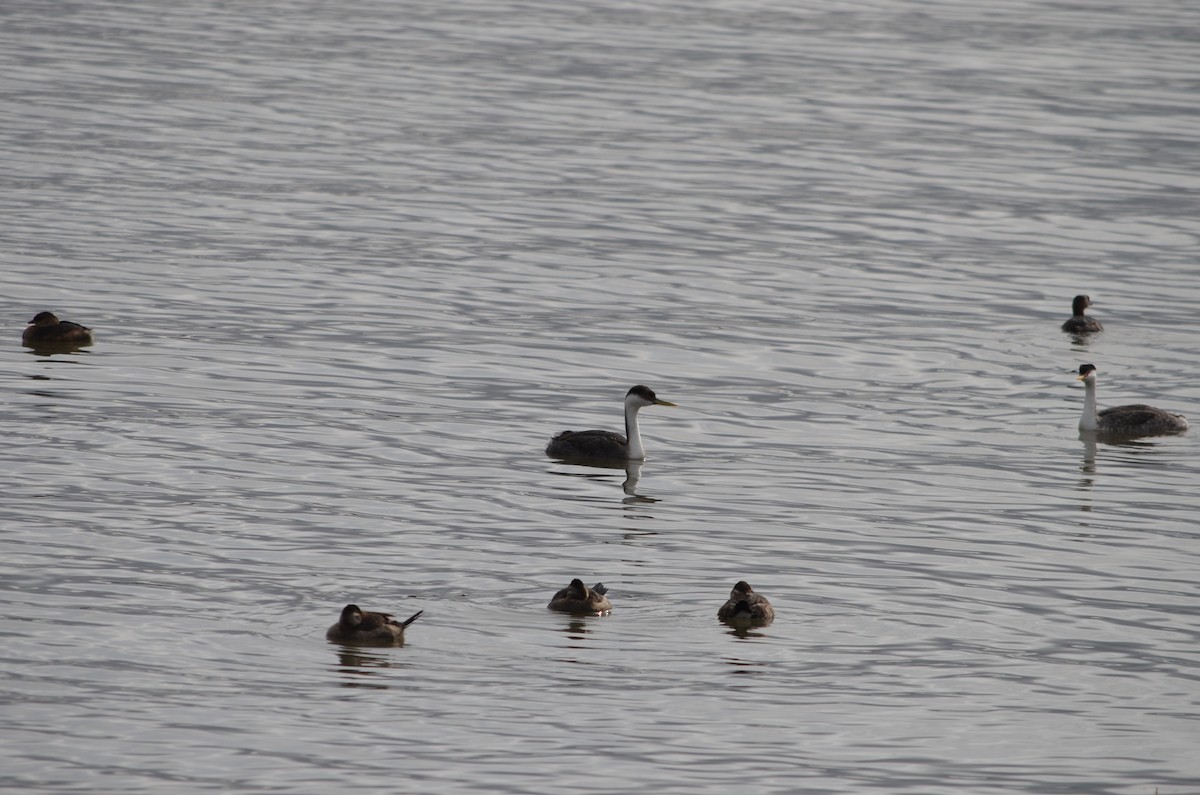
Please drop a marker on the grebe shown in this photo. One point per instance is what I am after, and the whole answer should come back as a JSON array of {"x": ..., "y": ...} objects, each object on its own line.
[
  {"x": 1080, "y": 323},
  {"x": 606, "y": 444},
  {"x": 47, "y": 328},
  {"x": 1134, "y": 420}
]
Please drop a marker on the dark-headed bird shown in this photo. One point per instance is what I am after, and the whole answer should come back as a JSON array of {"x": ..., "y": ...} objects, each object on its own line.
[
  {"x": 47, "y": 329},
  {"x": 376, "y": 629},
  {"x": 744, "y": 606},
  {"x": 1078, "y": 322},
  {"x": 578, "y": 598}
]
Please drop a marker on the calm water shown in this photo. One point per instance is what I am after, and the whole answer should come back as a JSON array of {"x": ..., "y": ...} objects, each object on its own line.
[{"x": 350, "y": 266}]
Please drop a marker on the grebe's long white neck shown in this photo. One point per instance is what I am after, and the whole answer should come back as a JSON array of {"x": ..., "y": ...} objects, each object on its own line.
[
  {"x": 633, "y": 434},
  {"x": 1089, "y": 421}
]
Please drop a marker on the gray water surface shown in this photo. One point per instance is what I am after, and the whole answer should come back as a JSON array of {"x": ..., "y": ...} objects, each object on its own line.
[{"x": 351, "y": 265}]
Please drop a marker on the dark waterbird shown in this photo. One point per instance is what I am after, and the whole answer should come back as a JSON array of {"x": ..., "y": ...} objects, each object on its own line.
[
  {"x": 744, "y": 606},
  {"x": 578, "y": 598},
  {"x": 1078, "y": 322},
  {"x": 47, "y": 329},
  {"x": 376, "y": 629}
]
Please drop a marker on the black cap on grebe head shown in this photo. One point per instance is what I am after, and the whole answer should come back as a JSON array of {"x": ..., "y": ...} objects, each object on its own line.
[
  {"x": 646, "y": 395},
  {"x": 1080, "y": 303}
]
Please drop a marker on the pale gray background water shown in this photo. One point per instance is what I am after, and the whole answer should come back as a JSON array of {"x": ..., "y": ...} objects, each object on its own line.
[{"x": 350, "y": 266}]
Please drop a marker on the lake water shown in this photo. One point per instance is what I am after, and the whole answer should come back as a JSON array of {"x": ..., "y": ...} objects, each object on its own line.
[{"x": 350, "y": 265}]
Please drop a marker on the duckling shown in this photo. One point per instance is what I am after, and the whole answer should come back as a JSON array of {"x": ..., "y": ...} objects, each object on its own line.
[
  {"x": 745, "y": 606},
  {"x": 1079, "y": 323},
  {"x": 578, "y": 598},
  {"x": 47, "y": 328},
  {"x": 359, "y": 626}
]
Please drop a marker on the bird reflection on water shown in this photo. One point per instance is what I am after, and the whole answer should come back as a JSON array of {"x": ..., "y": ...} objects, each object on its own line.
[
  {"x": 357, "y": 666},
  {"x": 744, "y": 632},
  {"x": 575, "y": 629},
  {"x": 745, "y": 667},
  {"x": 632, "y": 470},
  {"x": 52, "y": 348},
  {"x": 1125, "y": 450}
]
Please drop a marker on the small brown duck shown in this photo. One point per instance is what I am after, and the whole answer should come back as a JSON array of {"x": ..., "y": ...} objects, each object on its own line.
[
  {"x": 46, "y": 328},
  {"x": 578, "y": 598},
  {"x": 746, "y": 607},
  {"x": 1079, "y": 323},
  {"x": 378, "y": 629}
]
